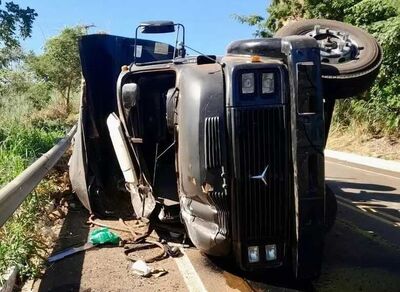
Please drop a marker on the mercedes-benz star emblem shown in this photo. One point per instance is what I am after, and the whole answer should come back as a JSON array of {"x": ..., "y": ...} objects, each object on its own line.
[{"x": 262, "y": 176}]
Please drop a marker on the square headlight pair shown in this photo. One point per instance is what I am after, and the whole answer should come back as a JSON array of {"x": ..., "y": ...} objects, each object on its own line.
[
  {"x": 267, "y": 83},
  {"x": 253, "y": 253}
]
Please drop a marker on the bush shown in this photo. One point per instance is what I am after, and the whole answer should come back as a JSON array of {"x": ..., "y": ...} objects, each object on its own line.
[{"x": 26, "y": 142}]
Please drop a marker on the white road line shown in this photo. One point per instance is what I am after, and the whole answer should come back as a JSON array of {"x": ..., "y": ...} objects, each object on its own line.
[
  {"x": 189, "y": 274},
  {"x": 369, "y": 171}
]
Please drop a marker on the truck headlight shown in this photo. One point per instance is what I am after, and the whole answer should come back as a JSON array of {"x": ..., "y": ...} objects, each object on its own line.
[
  {"x": 270, "y": 252},
  {"x": 268, "y": 83},
  {"x": 253, "y": 254},
  {"x": 247, "y": 83}
]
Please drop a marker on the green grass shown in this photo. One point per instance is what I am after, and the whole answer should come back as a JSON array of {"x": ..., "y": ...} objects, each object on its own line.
[
  {"x": 21, "y": 142},
  {"x": 20, "y": 145},
  {"x": 21, "y": 245}
]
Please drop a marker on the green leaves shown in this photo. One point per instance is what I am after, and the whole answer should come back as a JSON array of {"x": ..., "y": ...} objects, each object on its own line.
[
  {"x": 330, "y": 9},
  {"x": 367, "y": 12},
  {"x": 59, "y": 65},
  {"x": 255, "y": 20},
  {"x": 283, "y": 11},
  {"x": 15, "y": 23}
]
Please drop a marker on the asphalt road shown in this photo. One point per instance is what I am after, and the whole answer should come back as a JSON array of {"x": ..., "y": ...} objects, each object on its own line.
[
  {"x": 362, "y": 251},
  {"x": 371, "y": 191}
]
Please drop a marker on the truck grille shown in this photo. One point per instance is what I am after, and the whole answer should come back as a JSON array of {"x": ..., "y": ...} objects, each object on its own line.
[{"x": 260, "y": 140}]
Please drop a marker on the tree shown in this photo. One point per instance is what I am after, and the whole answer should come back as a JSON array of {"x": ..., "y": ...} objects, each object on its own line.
[
  {"x": 279, "y": 13},
  {"x": 255, "y": 20},
  {"x": 59, "y": 65},
  {"x": 15, "y": 23}
]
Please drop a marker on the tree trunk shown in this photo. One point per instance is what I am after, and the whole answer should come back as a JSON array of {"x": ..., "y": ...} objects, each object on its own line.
[
  {"x": 67, "y": 99},
  {"x": 64, "y": 100}
]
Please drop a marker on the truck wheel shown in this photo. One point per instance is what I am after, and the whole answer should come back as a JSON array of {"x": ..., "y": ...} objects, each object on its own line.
[{"x": 350, "y": 57}]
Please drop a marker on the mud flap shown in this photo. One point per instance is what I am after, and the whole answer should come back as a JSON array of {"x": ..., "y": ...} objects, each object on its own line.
[{"x": 307, "y": 140}]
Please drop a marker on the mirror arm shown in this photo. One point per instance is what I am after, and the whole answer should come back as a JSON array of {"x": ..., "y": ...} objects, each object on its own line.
[{"x": 134, "y": 47}]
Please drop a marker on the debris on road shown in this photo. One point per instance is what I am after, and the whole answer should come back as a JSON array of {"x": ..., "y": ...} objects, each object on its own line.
[
  {"x": 97, "y": 237},
  {"x": 138, "y": 231},
  {"x": 70, "y": 251},
  {"x": 139, "y": 239},
  {"x": 172, "y": 251},
  {"x": 103, "y": 236},
  {"x": 142, "y": 269},
  {"x": 146, "y": 245}
]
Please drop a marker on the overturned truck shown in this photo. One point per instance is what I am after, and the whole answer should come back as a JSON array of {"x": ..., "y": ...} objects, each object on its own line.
[{"x": 237, "y": 140}]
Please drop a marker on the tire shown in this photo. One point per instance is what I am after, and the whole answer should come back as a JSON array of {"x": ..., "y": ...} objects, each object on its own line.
[{"x": 351, "y": 77}]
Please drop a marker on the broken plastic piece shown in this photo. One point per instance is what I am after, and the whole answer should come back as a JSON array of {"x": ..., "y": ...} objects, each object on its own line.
[
  {"x": 103, "y": 236},
  {"x": 169, "y": 213},
  {"x": 69, "y": 251},
  {"x": 142, "y": 269}
]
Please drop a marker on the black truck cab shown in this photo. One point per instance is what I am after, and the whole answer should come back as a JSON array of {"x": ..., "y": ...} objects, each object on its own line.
[{"x": 238, "y": 140}]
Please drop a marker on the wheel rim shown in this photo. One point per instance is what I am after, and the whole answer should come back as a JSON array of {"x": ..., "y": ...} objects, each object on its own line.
[{"x": 336, "y": 47}]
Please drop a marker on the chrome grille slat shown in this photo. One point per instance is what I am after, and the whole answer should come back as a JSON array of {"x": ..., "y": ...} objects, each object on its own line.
[
  {"x": 261, "y": 140},
  {"x": 212, "y": 142}
]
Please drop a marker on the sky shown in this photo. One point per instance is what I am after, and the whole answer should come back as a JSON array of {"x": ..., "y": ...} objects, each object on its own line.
[{"x": 209, "y": 24}]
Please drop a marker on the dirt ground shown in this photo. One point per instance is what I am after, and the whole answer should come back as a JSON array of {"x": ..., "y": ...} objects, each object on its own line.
[
  {"x": 353, "y": 261},
  {"x": 359, "y": 142},
  {"x": 102, "y": 268}
]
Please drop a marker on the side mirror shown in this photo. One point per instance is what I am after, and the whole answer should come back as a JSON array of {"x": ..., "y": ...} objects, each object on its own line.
[
  {"x": 163, "y": 26},
  {"x": 130, "y": 95}
]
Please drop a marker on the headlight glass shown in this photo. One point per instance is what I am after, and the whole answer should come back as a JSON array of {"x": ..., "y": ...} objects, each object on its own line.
[
  {"x": 268, "y": 83},
  {"x": 253, "y": 254},
  {"x": 247, "y": 83},
  {"x": 271, "y": 252}
]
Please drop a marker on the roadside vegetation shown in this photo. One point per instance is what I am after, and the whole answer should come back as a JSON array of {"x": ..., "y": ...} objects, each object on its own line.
[
  {"x": 38, "y": 104},
  {"x": 376, "y": 114}
]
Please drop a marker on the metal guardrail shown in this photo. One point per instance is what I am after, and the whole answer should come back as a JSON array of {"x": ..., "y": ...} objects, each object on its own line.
[{"x": 15, "y": 192}]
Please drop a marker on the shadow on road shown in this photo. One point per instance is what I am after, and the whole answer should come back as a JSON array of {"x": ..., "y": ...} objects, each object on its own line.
[
  {"x": 379, "y": 197},
  {"x": 65, "y": 274},
  {"x": 362, "y": 186}
]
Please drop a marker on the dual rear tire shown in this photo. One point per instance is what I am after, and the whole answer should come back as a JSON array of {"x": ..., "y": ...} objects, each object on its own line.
[{"x": 345, "y": 76}]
